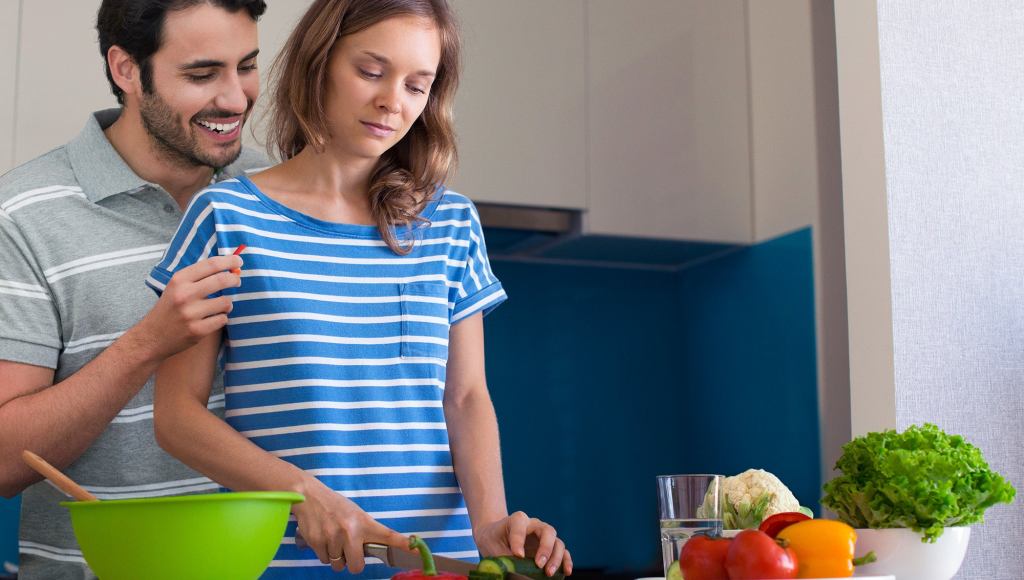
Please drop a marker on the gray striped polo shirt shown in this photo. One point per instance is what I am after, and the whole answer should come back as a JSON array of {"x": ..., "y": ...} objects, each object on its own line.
[{"x": 79, "y": 233}]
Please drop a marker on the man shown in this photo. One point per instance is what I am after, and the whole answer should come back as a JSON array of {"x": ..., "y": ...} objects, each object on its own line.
[{"x": 80, "y": 228}]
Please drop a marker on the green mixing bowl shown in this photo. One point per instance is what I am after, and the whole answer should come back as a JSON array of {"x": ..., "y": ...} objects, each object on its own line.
[{"x": 222, "y": 536}]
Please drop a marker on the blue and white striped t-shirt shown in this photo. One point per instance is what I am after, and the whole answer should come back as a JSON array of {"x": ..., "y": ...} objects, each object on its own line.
[{"x": 335, "y": 353}]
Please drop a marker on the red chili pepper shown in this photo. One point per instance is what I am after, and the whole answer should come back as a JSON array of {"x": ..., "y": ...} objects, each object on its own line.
[
  {"x": 429, "y": 570},
  {"x": 778, "y": 522}
]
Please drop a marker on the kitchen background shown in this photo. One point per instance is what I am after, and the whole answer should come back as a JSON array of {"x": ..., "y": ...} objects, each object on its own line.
[{"x": 661, "y": 184}]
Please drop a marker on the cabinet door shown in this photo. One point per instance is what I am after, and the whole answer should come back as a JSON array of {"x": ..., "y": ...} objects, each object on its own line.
[
  {"x": 785, "y": 114},
  {"x": 520, "y": 112},
  {"x": 9, "y": 12},
  {"x": 669, "y": 120}
]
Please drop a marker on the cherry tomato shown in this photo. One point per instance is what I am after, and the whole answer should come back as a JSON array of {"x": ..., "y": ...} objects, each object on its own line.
[
  {"x": 778, "y": 522},
  {"x": 703, "y": 558},
  {"x": 755, "y": 556}
]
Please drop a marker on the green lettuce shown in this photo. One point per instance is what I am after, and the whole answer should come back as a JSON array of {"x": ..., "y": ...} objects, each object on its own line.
[{"x": 922, "y": 479}]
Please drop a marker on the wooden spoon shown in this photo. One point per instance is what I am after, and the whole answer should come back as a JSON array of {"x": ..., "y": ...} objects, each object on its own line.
[{"x": 54, "y": 475}]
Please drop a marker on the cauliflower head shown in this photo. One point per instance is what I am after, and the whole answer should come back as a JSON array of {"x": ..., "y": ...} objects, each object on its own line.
[{"x": 750, "y": 497}]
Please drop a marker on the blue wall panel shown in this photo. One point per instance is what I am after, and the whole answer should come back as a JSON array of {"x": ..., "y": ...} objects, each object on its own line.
[{"x": 603, "y": 378}]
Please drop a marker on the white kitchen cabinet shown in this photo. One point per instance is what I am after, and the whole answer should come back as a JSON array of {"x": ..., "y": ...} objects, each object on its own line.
[
  {"x": 520, "y": 111},
  {"x": 701, "y": 119},
  {"x": 8, "y": 72}
]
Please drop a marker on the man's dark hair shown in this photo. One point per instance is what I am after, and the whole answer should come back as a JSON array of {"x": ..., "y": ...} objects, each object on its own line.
[{"x": 137, "y": 25}]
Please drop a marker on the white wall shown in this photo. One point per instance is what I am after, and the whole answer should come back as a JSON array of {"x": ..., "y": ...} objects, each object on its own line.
[{"x": 952, "y": 79}]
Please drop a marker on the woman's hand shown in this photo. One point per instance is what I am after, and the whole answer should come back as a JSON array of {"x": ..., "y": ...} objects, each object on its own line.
[
  {"x": 509, "y": 536},
  {"x": 336, "y": 528}
]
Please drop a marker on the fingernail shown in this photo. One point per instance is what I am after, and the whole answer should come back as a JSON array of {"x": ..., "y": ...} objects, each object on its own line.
[
  {"x": 542, "y": 560},
  {"x": 551, "y": 570}
]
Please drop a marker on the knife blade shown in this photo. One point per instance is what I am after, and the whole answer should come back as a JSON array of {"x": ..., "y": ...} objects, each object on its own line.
[{"x": 395, "y": 558}]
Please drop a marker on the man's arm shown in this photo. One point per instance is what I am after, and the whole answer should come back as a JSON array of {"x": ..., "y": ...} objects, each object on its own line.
[{"x": 60, "y": 421}]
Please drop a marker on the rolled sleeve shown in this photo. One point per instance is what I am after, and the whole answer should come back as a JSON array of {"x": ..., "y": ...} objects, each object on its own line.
[
  {"x": 481, "y": 291},
  {"x": 29, "y": 322}
]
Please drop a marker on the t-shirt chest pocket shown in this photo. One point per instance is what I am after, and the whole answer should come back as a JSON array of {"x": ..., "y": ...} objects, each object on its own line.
[{"x": 425, "y": 317}]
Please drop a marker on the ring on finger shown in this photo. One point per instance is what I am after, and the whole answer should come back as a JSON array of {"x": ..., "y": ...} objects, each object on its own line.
[{"x": 338, "y": 559}]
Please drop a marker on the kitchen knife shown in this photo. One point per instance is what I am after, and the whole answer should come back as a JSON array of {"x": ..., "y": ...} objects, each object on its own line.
[{"x": 395, "y": 558}]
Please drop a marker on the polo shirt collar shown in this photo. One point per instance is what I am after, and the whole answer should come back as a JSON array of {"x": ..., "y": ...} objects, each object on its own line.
[{"x": 98, "y": 167}]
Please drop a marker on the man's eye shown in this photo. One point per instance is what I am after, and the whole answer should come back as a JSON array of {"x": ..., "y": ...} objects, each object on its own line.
[{"x": 200, "y": 78}]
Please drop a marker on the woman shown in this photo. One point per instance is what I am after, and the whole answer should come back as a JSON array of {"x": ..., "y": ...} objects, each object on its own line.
[{"x": 354, "y": 367}]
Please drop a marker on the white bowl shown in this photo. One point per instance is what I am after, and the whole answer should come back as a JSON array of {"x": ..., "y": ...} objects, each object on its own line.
[{"x": 901, "y": 552}]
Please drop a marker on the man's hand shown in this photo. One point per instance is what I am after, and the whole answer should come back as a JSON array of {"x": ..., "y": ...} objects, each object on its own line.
[
  {"x": 184, "y": 314},
  {"x": 509, "y": 536}
]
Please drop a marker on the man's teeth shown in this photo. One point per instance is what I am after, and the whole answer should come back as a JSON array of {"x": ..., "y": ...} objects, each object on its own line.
[{"x": 220, "y": 127}]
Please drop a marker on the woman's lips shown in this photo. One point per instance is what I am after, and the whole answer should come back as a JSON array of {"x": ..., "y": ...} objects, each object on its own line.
[{"x": 378, "y": 130}]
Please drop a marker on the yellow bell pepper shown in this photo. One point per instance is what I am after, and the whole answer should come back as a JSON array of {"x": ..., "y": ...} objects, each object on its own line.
[{"x": 824, "y": 548}]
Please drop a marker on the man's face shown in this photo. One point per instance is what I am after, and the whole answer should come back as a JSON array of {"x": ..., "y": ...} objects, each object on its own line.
[{"x": 204, "y": 84}]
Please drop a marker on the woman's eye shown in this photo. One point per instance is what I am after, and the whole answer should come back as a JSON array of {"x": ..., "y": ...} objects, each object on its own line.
[
  {"x": 249, "y": 67},
  {"x": 369, "y": 74},
  {"x": 417, "y": 90}
]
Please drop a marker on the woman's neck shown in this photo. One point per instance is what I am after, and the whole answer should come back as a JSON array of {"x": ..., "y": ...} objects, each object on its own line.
[{"x": 327, "y": 175}]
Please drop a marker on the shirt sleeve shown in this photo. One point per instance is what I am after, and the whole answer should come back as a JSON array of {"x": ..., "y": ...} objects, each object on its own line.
[
  {"x": 479, "y": 288},
  {"x": 195, "y": 240},
  {"x": 30, "y": 331}
]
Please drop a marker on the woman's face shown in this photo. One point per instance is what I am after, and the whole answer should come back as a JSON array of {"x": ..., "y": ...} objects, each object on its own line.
[{"x": 378, "y": 81}]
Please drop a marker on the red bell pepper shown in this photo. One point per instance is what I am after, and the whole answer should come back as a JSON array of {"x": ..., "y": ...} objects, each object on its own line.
[
  {"x": 780, "y": 521},
  {"x": 429, "y": 570}
]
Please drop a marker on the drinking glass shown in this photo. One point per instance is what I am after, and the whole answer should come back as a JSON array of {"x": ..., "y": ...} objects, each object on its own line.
[{"x": 687, "y": 505}]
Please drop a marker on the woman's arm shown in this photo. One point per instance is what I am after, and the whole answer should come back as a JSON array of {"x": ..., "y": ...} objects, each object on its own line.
[
  {"x": 476, "y": 454},
  {"x": 332, "y": 525}
]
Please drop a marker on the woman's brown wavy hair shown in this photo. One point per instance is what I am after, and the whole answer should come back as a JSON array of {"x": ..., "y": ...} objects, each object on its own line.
[{"x": 407, "y": 174}]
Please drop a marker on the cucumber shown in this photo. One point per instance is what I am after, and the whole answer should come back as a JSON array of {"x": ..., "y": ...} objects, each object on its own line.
[
  {"x": 493, "y": 566},
  {"x": 673, "y": 572},
  {"x": 507, "y": 562},
  {"x": 478, "y": 575},
  {"x": 527, "y": 567}
]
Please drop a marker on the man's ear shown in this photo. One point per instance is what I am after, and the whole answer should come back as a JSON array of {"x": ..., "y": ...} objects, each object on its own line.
[{"x": 125, "y": 72}]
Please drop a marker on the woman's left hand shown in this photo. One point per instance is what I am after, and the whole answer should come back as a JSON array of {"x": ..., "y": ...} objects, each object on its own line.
[{"x": 509, "y": 536}]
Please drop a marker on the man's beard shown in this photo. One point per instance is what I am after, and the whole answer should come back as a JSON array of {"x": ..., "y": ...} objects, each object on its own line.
[{"x": 180, "y": 145}]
